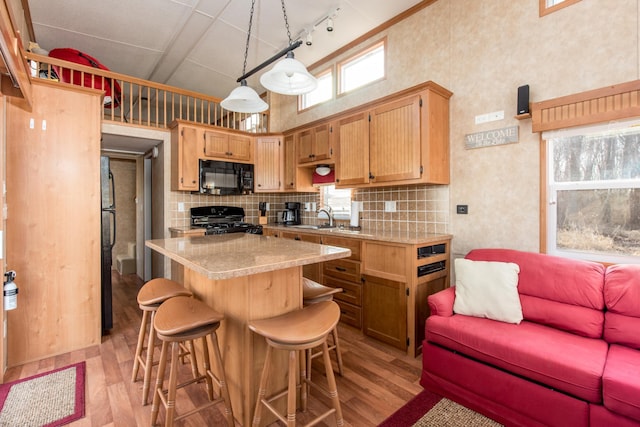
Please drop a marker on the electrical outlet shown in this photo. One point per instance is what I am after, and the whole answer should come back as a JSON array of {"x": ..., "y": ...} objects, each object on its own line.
[
  {"x": 180, "y": 207},
  {"x": 390, "y": 206},
  {"x": 462, "y": 209}
]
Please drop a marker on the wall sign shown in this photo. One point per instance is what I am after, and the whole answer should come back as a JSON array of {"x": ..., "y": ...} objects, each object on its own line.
[{"x": 491, "y": 137}]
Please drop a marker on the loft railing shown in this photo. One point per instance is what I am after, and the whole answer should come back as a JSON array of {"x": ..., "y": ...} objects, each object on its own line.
[{"x": 143, "y": 103}]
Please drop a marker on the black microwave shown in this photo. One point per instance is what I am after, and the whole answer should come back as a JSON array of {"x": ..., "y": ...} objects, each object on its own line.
[{"x": 225, "y": 178}]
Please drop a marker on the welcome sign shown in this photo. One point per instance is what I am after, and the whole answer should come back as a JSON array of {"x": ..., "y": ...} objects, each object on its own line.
[{"x": 491, "y": 137}]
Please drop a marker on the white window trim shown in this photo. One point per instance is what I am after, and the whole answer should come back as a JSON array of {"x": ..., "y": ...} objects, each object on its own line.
[{"x": 553, "y": 188}]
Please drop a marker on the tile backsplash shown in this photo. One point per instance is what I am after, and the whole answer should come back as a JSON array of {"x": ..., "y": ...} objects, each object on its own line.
[{"x": 423, "y": 208}]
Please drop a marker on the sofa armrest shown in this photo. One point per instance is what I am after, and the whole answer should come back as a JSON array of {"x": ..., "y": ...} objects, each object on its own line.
[{"x": 441, "y": 303}]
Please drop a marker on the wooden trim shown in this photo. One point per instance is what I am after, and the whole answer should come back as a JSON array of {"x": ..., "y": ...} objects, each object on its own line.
[
  {"x": 543, "y": 196},
  {"x": 27, "y": 18},
  {"x": 544, "y": 10},
  {"x": 380, "y": 28},
  {"x": 615, "y": 102}
]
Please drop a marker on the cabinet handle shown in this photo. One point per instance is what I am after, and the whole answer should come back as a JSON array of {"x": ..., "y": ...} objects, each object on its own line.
[
  {"x": 341, "y": 269},
  {"x": 311, "y": 156},
  {"x": 296, "y": 238},
  {"x": 371, "y": 176},
  {"x": 259, "y": 185}
]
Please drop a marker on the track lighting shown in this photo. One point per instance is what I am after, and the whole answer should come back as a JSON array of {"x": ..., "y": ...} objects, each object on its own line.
[
  {"x": 309, "y": 40},
  {"x": 329, "y": 24}
]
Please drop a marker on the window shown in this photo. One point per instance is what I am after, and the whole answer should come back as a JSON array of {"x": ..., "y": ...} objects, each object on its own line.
[
  {"x": 322, "y": 93},
  {"x": 365, "y": 67},
  {"x": 549, "y": 6},
  {"x": 338, "y": 199},
  {"x": 593, "y": 192},
  {"x": 251, "y": 123}
]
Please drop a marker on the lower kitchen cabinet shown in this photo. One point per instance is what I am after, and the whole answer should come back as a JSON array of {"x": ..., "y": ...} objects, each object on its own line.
[
  {"x": 385, "y": 313},
  {"x": 310, "y": 271}
]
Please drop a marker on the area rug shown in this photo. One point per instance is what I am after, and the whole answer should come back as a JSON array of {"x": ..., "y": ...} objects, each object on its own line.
[
  {"x": 430, "y": 410},
  {"x": 50, "y": 399}
]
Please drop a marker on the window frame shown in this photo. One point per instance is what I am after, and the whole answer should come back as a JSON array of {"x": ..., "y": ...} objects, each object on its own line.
[
  {"x": 548, "y": 202},
  {"x": 320, "y": 75},
  {"x": 353, "y": 58},
  {"x": 544, "y": 10}
]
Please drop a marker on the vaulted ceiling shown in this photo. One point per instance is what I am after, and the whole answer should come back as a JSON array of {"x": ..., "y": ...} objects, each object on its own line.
[{"x": 199, "y": 44}]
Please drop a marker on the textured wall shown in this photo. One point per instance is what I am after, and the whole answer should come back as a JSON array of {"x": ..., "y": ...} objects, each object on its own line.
[
  {"x": 124, "y": 174},
  {"x": 482, "y": 51}
]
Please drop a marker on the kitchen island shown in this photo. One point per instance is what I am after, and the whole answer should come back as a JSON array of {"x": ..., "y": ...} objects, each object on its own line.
[{"x": 246, "y": 277}]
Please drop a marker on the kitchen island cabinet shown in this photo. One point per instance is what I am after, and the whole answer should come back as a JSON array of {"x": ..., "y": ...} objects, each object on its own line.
[{"x": 246, "y": 277}]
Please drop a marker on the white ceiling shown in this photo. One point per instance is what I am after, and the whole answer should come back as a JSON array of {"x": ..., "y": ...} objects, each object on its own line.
[{"x": 199, "y": 45}]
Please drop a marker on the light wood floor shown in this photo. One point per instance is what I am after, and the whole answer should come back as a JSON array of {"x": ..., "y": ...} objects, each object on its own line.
[{"x": 378, "y": 379}]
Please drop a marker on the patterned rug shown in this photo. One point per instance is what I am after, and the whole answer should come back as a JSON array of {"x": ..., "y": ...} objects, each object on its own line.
[
  {"x": 430, "y": 410},
  {"x": 50, "y": 399}
]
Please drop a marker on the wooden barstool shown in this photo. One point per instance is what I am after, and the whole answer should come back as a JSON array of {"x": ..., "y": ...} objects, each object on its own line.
[
  {"x": 296, "y": 332},
  {"x": 178, "y": 320},
  {"x": 150, "y": 296},
  {"x": 312, "y": 293}
]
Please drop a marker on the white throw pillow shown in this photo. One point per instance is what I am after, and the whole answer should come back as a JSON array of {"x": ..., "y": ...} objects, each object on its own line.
[{"x": 487, "y": 289}]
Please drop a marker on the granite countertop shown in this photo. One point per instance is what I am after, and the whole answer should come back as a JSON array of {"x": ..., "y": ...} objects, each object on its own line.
[
  {"x": 232, "y": 255},
  {"x": 406, "y": 237}
]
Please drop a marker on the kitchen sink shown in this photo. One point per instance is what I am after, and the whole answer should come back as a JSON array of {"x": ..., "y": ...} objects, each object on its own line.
[{"x": 314, "y": 227}]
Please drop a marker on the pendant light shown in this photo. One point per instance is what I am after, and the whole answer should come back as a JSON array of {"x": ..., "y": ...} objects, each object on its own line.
[
  {"x": 289, "y": 76},
  {"x": 244, "y": 99}
]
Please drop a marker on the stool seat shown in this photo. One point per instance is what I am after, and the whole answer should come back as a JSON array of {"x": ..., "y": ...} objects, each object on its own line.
[
  {"x": 182, "y": 314},
  {"x": 313, "y": 292},
  {"x": 157, "y": 291},
  {"x": 310, "y": 324}
]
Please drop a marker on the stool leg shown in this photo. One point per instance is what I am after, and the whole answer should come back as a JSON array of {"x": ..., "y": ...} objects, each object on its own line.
[
  {"x": 336, "y": 344},
  {"x": 159, "y": 384},
  {"x": 173, "y": 381},
  {"x": 141, "y": 334},
  {"x": 148, "y": 366},
  {"x": 262, "y": 390},
  {"x": 207, "y": 366},
  {"x": 331, "y": 381},
  {"x": 305, "y": 362},
  {"x": 192, "y": 358},
  {"x": 291, "y": 395},
  {"x": 224, "y": 390}
]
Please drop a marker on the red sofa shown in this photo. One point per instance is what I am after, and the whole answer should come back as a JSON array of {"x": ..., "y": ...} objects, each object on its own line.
[{"x": 574, "y": 360}]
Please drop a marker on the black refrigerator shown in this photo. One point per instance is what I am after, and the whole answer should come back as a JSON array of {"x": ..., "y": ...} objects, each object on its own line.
[{"x": 108, "y": 239}]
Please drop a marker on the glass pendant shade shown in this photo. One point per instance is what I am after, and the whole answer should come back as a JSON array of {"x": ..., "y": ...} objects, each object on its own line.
[
  {"x": 289, "y": 77},
  {"x": 244, "y": 99}
]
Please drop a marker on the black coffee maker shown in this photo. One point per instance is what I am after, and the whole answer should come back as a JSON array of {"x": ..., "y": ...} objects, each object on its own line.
[{"x": 291, "y": 213}]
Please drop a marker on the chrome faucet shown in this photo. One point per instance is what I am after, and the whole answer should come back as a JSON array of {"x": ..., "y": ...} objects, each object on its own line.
[{"x": 329, "y": 212}]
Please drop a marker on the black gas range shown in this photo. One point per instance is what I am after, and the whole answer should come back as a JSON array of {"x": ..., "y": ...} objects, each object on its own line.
[{"x": 222, "y": 220}]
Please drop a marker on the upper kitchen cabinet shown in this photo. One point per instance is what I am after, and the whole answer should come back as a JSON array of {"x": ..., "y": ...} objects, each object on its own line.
[
  {"x": 184, "y": 156},
  {"x": 227, "y": 146},
  {"x": 401, "y": 139},
  {"x": 268, "y": 167},
  {"x": 314, "y": 144},
  {"x": 296, "y": 178},
  {"x": 352, "y": 162}
]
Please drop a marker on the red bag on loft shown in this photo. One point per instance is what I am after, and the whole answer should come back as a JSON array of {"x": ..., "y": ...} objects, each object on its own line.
[{"x": 73, "y": 55}]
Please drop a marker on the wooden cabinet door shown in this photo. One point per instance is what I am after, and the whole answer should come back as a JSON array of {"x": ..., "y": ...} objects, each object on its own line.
[
  {"x": 240, "y": 148},
  {"x": 305, "y": 146},
  {"x": 216, "y": 144},
  {"x": 268, "y": 165},
  {"x": 322, "y": 142},
  {"x": 184, "y": 161},
  {"x": 290, "y": 170},
  {"x": 352, "y": 160},
  {"x": 395, "y": 141},
  {"x": 385, "y": 310}
]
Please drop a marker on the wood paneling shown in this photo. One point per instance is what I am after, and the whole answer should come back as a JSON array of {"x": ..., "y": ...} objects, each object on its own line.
[
  {"x": 352, "y": 162},
  {"x": 268, "y": 164},
  {"x": 53, "y": 222},
  {"x": 595, "y": 106}
]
